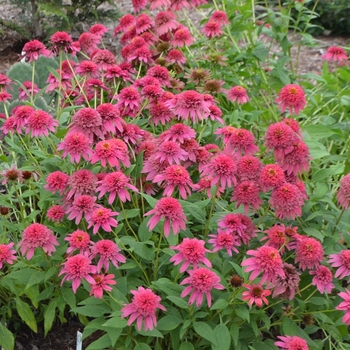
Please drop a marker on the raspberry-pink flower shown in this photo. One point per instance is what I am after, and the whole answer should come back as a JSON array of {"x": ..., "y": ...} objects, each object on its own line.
[
  {"x": 160, "y": 113},
  {"x": 126, "y": 21},
  {"x": 287, "y": 201},
  {"x": 246, "y": 193},
  {"x": 22, "y": 114},
  {"x": 276, "y": 237},
  {"x": 10, "y": 126},
  {"x": 170, "y": 152},
  {"x": 266, "y": 260},
  {"x": 108, "y": 251},
  {"x": 78, "y": 240},
  {"x": 204, "y": 184},
  {"x": 102, "y": 282},
  {"x": 242, "y": 141},
  {"x": 76, "y": 145},
  {"x": 177, "y": 5},
  {"x": 107, "y": 152},
  {"x": 104, "y": 59},
  {"x": 143, "y": 23},
  {"x": 82, "y": 181},
  {"x": 182, "y": 37},
  {"x": 156, "y": 4},
  {"x": 281, "y": 138},
  {"x": 336, "y": 54},
  {"x": 342, "y": 261},
  {"x": 343, "y": 194},
  {"x": 171, "y": 210},
  {"x": 102, "y": 217},
  {"x": 291, "y": 97},
  {"x": 87, "y": 121},
  {"x": 39, "y": 123},
  {"x": 56, "y": 181},
  {"x": 212, "y": 29},
  {"x": 111, "y": 120},
  {"x": 31, "y": 89},
  {"x": 239, "y": 94},
  {"x": 175, "y": 177},
  {"x": 176, "y": 56},
  {"x": 82, "y": 205},
  {"x": 271, "y": 176},
  {"x": 191, "y": 251},
  {"x": 88, "y": 69},
  {"x": 116, "y": 184},
  {"x": 220, "y": 17},
  {"x": 201, "y": 281},
  {"x": 308, "y": 252},
  {"x": 33, "y": 49},
  {"x": 7, "y": 254},
  {"x": 291, "y": 343},
  {"x": 88, "y": 42},
  {"x": 223, "y": 170},
  {"x": 55, "y": 213},
  {"x": 98, "y": 29},
  {"x": 248, "y": 168},
  {"x": 129, "y": 100},
  {"x": 232, "y": 223},
  {"x": 255, "y": 295},
  {"x": 323, "y": 279},
  {"x": 61, "y": 41},
  {"x": 345, "y": 306},
  {"x": 143, "y": 308},
  {"x": 76, "y": 268},
  {"x": 35, "y": 236},
  {"x": 297, "y": 160},
  {"x": 160, "y": 73},
  {"x": 5, "y": 82},
  {"x": 179, "y": 133},
  {"x": 286, "y": 286},
  {"x": 224, "y": 240}
]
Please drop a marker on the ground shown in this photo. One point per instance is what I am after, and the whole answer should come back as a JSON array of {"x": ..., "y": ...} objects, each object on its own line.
[{"x": 63, "y": 337}]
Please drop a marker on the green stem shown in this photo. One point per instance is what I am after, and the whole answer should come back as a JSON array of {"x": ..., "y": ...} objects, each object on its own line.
[{"x": 157, "y": 255}]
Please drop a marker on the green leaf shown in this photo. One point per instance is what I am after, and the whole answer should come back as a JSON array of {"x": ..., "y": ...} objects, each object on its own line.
[
  {"x": 49, "y": 316},
  {"x": 318, "y": 131},
  {"x": 151, "y": 333},
  {"x": 234, "y": 330},
  {"x": 7, "y": 340},
  {"x": 168, "y": 323},
  {"x": 291, "y": 328},
  {"x": 223, "y": 337},
  {"x": 91, "y": 310},
  {"x": 186, "y": 346},
  {"x": 116, "y": 322},
  {"x": 178, "y": 301},
  {"x": 220, "y": 304},
  {"x": 142, "y": 346},
  {"x": 129, "y": 214},
  {"x": 194, "y": 210},
  {"x": 310, "y": 231},
  {"x": 205, "y": 331},
  {"x": 69, "y": 297},
  {"x": 36, "y": 277},
  {"x": 102, "y": 343},
  {"x": 26, "y": 314},
  {"x": 143, "y": 232},
  {"x": 242, "y": 312},
  {"x": 151, "y": 201}
]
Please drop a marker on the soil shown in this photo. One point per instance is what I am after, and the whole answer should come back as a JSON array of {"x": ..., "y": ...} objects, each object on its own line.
[{"x": 63, "y": 336}]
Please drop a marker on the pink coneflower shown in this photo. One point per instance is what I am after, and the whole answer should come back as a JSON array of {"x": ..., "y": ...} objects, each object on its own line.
[
  {"x": 212, "y": 86},
  {"x": 139, "y": 5},
  {"x": 111, "y": 120},
  {"x": 212, "y": 29},
  {"x": 156, "y": 4},
  {"x": 177, "y": 5},
  {"x": 7, "y": 254},
  {"x": 82, "y": 205},
  {"x": 98, "y": 29},
  {"x": 61, "y": 41},
  {"x": 35, "y": 236},
  {"x": 345, "y": 306},
  {"x": 31, "y": 88},
  {"x": 116, "y": 184},
  {"x": 87, "y": 121},
  {"x": 223, "y": 170},
  {"x": 104, "y": 59},
  {"x": 286, "y": 286},
  {"x": 343, "y": 194},
  {"x": 336, "y": 54},
  {"x": 4, "y": 96},
  {"x": 191, "y": 147},
  {"x": 56, "y": 181},
  {"x": 153, "y": 166},
  {"x": 10, "y": 126},
  {"x": 33, "y": 49},
  {"x": 88, "y": 42},
  {"x": 108, "y": 252},
  {"x": 201, "y": 281},
  {"x": 291, "y": 97},
  {"x": 292, "y": 123},
  {"x": 308, "y": 252},
  {"x": 126, "y": 22},
  {"x": 107, "y": 152},
  {"x": 175, "y": 177},
  {"x": 39, "y": 123},
  {"x": 131, "y": 134},
  {"x": 160, "y": 73},
  {"x": 82, "y": 181},
  {"x": 76, "y": 145},
  {"x": 102, "y": 217},
  {"x": 342, "y": 261},
  {"x": 176, "y": 56},
  {"x": 129, "y": 100},
  {"x": 266, "y": 260},
  {"x": 204, "y": 184},
  {"x": 146, "y": 80},
  {"x": 76, "y": 268},
  {"x": 143, "y": 23},
  {"x": 239, "y": 94},
  {"x": 182, "y": 37},
  {"x": 242, "y": 141},
  {"x": 232, "y": 223},
  {"x": 171, "y": 210},
  {"x": 248, "y": 168},
  {"x": 160, "y": 113},
  {"x": 171, "y": 152},
  {"x": 249, "y": 231},
  {"x": 88, "y": 69},
  {"x": 297, "y": 160},
  {"x": 152, "y": 92},
  {"x": 287, "y": 201},
  {"x": 21, "y": 115},
  {"x": 281, "y": 138},
  {"x": 63, "y": 82},
  {"x": 5, "y": 82},
  {"x": 276, "y": 237},
  {"x": 115, "y": 72},
  {"x": 291, "y": 343},
  {"x": 55, "y": 213},
  {"x": 191, "y": 251},
  {"x": 224, "y": 240},
  {"x": 271, "y": 176},
  {"x": 102, "y": 282},
  {"x": 323, "y": 279},
  {"x": 143, "y": 308},
  {"x": 220, "y": 17},
  {"x": 255, "y": 295},
  {"x": 246, "y": 193},
  {"x": 78, "y": 240}
]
